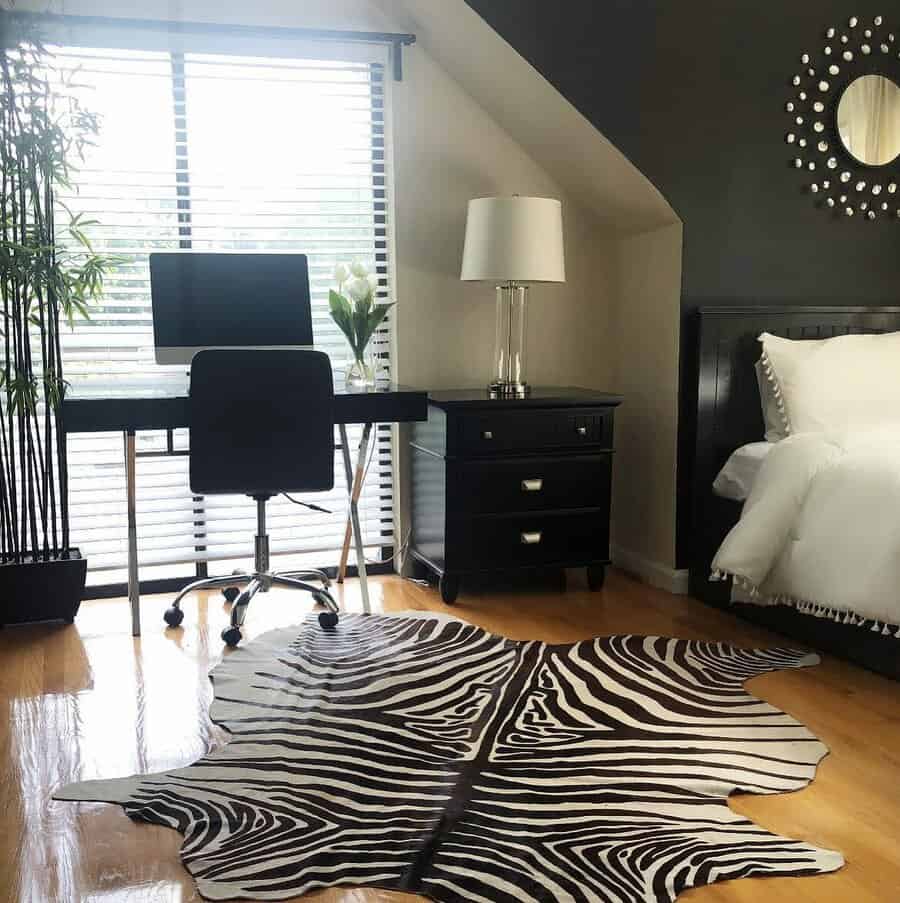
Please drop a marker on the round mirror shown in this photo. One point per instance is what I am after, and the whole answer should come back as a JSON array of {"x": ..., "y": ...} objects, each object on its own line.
[{"x": 868, "y": 119}]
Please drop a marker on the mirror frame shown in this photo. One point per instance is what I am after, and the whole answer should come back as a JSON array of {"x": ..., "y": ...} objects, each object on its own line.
[{"x": 839, "y": 183}]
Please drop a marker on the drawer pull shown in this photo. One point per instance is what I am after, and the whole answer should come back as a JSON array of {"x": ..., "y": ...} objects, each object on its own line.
[
  {"x": 487, "y": 434},
  {"x": 581, "y": 430},
  {"x": 531, "y": 539},
  {"x": 532, "y": 485}
]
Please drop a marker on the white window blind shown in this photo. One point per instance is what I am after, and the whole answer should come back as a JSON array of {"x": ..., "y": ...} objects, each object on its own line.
[{"x": 218, "y": 152}]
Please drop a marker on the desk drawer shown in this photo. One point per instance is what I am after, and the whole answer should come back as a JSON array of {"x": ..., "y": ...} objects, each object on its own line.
[
  {"x": 527, "y": 540},
  {"x": 511, "y": 485},
  {"x": 529, "y": 430}
]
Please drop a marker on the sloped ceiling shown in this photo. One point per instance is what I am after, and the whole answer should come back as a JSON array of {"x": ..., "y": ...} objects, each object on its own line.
[{"x": 558, "y": 137}]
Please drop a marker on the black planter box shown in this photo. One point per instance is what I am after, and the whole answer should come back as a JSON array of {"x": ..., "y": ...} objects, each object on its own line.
[{"x": 43, "y": 590}]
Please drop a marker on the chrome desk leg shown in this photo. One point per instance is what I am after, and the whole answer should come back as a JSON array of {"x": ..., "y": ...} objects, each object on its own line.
[
  {"x": 354, "y": 488},
  {"x": 134, "y": 597}
]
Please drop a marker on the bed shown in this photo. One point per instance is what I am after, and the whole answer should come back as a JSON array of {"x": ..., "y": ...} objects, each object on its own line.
[{"x": 728, "y": 417}]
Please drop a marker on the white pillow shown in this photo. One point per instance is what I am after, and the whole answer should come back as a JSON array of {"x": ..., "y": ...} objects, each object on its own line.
[
  {"x": 736, "y": 478},
  {"x": 828, "y": 384},
  {"x": 774, "y": 423}
]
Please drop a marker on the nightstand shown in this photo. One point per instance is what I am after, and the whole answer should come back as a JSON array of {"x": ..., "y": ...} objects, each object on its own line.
[{"x": 512, "y": 483}]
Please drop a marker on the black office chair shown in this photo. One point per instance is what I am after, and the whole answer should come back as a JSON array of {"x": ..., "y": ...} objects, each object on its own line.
[{"x": 262, "y": 423}]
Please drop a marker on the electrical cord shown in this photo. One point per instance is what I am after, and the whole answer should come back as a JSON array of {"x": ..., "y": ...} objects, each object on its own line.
[
  {"x": 401, "y": 551},
  {"x": 309, "y": 505},
  {"x": 313, "y": 507},
  {"x": 403, "y": 546}
]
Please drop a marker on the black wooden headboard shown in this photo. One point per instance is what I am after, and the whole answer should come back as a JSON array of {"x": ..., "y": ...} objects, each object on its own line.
[{"x": 728, "y": 405}]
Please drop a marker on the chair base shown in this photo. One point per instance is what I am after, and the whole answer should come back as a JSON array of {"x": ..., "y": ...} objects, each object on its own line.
[
  {"x": 253, "y": 583},
  {"x": 261, "y": 580}
]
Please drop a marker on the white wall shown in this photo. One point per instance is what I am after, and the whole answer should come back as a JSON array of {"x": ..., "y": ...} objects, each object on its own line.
[
  {"x": 618, "y": 324},
  {"x": 447, "y": 150},
  {"x": 646, "y": 324}
]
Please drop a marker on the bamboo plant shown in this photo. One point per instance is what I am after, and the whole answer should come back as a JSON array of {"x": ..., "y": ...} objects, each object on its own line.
[{"x": 49, "y": 275}]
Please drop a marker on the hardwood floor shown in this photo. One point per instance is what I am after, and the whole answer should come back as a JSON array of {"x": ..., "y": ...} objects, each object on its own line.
[{"x": 88, "y": 701}]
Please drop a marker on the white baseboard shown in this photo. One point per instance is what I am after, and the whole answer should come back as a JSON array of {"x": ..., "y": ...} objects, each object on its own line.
[{"x": 652, "y": 572}]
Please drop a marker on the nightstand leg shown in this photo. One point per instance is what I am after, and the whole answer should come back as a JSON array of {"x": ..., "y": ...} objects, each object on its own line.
[
  {"x": 596, "y": 576},
  {"x": 449, "y": 587}
]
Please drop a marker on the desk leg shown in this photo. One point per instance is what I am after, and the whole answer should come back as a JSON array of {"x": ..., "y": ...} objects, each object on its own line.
[
  {"x": 354, "y": 488},
  {"x": 134, "y": 597},
  {"x": 354, "y": 480}
]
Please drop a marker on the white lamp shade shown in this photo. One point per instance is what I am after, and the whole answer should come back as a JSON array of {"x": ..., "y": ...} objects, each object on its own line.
[{"x": 514, "y": 239}]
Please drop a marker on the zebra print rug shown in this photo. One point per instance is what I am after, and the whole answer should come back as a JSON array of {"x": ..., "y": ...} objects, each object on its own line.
[{"x": 419, "y": 753}]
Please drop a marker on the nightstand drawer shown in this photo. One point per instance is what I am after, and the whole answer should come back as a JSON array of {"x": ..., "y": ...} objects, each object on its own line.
[
  {"x": 511, "y": 485},
  {"x": 531, "y": 540},
  {"x": 497, "y": 432}
]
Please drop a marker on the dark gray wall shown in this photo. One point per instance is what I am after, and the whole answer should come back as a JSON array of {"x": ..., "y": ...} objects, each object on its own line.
[{"x": 693, "y": 93}]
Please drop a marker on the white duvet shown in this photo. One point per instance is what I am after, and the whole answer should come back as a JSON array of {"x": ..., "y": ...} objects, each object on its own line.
[{"x": 820, "y": 529}]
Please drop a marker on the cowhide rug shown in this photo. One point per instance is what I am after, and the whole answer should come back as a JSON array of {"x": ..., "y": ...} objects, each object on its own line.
[{"x": 419, "y": 753}]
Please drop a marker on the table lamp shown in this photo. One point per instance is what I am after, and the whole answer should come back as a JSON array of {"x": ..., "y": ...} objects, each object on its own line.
[{"x": 512, "y": 241}]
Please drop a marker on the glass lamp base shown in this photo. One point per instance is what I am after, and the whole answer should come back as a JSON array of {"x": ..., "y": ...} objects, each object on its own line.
[
  {"x": 509, "y": 390},
  {"x": 508, "y": 375}
]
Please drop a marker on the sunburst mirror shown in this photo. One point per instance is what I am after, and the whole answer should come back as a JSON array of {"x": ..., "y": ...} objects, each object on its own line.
[{"x": 845, "y": 120}]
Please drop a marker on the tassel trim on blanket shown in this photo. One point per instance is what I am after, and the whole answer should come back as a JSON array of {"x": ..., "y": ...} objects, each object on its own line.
[
  {"x": 813, "y": 609},
  {"x": 769, "y": 370}
]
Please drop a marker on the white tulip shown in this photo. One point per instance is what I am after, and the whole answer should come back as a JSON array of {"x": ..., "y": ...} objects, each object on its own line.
[
  {"x": 373, "y": 282},
  {"x": 341, "y": 273},
  {"x": 358, "y": 289},
  {"x": 359, "y": 269}
]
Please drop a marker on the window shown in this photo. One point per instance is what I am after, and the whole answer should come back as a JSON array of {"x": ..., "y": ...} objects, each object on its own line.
[{"x": 219, "y": 151}]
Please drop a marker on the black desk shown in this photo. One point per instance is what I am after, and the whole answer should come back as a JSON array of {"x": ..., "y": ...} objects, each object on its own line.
[{"x": 131, "y": 410}]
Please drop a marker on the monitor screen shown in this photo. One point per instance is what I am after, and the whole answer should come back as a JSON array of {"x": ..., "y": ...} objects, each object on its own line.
[{"x": 227, "y": 300}]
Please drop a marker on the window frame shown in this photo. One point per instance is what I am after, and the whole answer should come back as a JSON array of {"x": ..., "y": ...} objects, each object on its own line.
[{"x": 177, "y": 39}]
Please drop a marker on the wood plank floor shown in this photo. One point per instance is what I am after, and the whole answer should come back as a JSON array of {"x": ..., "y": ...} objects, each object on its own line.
[{"x": 88, "y": 701}]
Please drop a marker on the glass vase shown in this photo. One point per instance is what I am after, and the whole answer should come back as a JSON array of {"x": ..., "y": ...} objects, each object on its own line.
[{"x": 361, "y": 370}]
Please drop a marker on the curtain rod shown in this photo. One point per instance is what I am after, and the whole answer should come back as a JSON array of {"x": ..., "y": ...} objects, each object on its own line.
[{"x": 395, "y": 40}]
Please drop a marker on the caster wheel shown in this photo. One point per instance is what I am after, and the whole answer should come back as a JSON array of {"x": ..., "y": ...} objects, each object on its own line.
[
  {"x": 449, "y": 587},
  {"x": 231, "y": 593},
  {"x": 173, "y": 616},
  {"x": 328, "y": 619},
  {"x": 231, "y": 636},
  {"x": 596, "y": 575}
]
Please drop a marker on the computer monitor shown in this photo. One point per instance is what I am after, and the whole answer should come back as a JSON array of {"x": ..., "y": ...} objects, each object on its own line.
[{"x": 228, "y": 300}]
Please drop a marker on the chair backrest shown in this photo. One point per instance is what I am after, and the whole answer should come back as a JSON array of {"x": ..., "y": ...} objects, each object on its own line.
[{"x": 262, "y": 422}]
